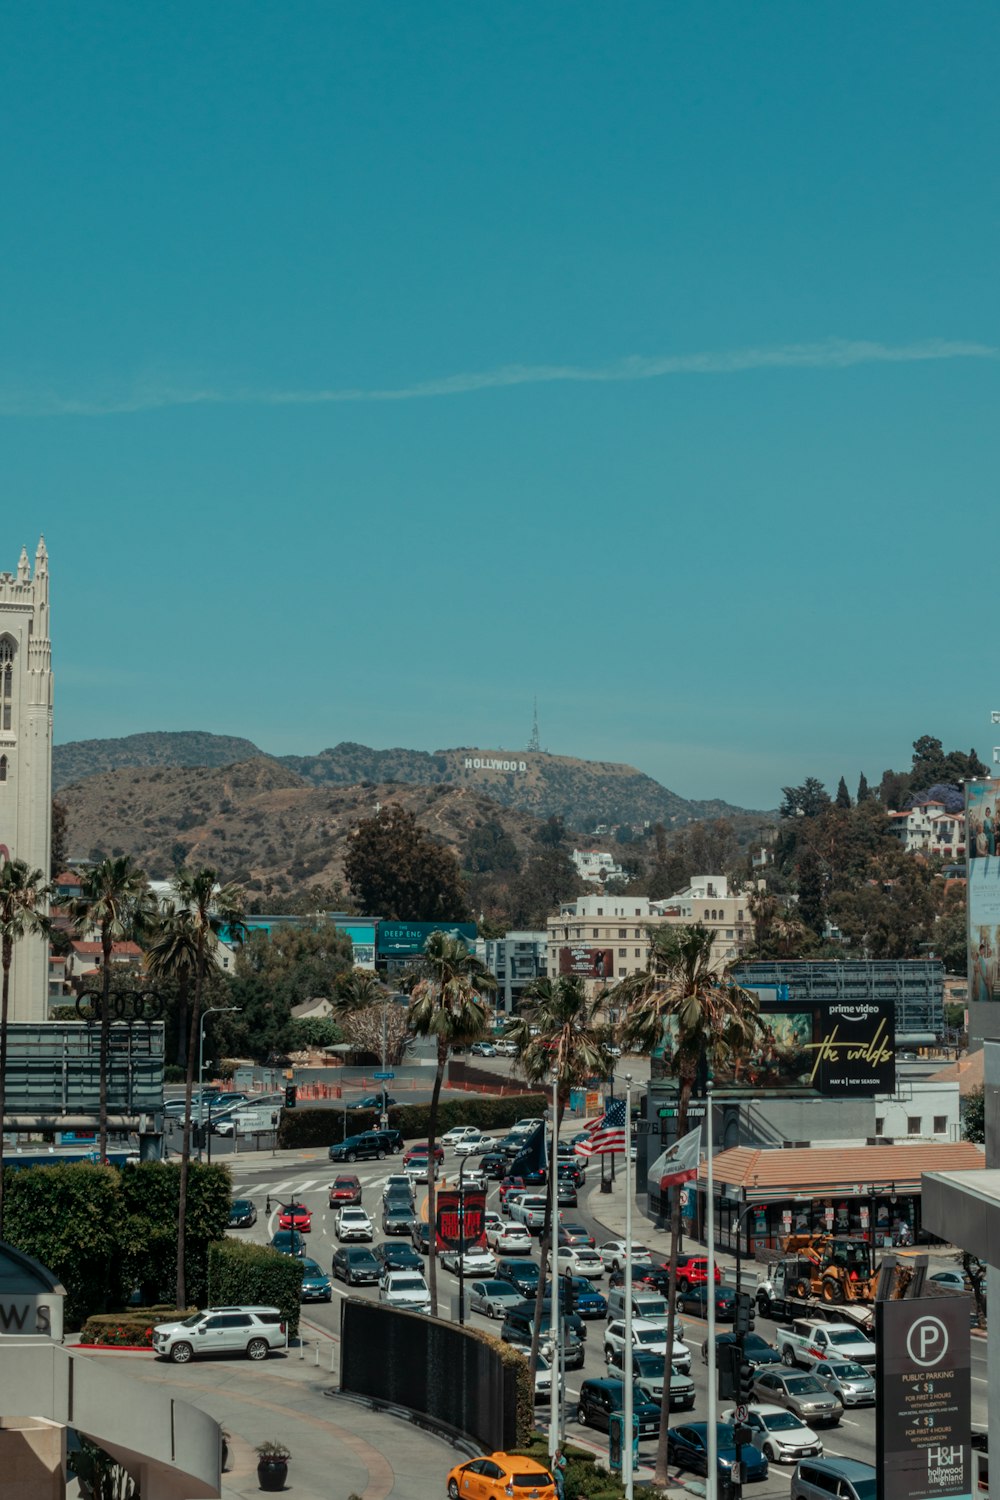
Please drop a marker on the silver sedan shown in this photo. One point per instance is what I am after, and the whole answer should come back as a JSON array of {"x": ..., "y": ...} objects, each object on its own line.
[{"x": 493, "y": 1298}]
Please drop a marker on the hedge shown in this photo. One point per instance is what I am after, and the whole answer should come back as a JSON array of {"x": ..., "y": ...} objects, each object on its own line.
[
  {"x": 583, "y": 1479},
  {"x": 243, "y": 1274},
  {"x": 133, "y": 1328},
  {"x": 325, "y": 1127}
]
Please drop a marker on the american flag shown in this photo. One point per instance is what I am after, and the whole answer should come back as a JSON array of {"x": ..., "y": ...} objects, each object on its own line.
[{"x": 607, "y": 1135}]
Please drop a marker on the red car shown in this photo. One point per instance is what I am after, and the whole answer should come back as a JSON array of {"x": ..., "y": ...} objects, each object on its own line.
[
  {"x": 345, "y": 1190},
  {"x": 692, "y": 1270},
  {"x": 295, "y": 1216},
  {"x": 421, "y": 1149},
  {"x": 510, "y": 1185}
]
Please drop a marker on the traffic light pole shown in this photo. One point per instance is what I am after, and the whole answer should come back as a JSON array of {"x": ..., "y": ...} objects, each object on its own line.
[
  {"x": 742, "y": 1325},
  {"x": 712, "y": 1476}
]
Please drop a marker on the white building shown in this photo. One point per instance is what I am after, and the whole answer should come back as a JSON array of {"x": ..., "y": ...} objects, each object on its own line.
[
  {"x": 26, "y": 757},
  {"x": 708, "y": 902},
  {"x": 602, "y": 938},
  {"x": 597, "y": 865},
  {"x": 929, "y": 828},
  {"x": 927, "y": 1109}
]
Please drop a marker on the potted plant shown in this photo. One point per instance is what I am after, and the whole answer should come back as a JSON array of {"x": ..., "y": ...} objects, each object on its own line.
[{"x": 272, "y": 1465}]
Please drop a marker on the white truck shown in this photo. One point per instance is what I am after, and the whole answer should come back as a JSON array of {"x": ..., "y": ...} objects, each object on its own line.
[
  {"x": 529, "y": 1209},
  {"x": 809, "y": 1344}
]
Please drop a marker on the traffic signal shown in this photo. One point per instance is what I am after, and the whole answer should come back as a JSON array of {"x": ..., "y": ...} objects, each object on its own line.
[
  {"x": 567, "y": 1294},
  {"x": 744, "y": 1382},
  {"x": 745, "y": 1315},
  {"x": 727, "y": 1370},
  {"x": 291, "y": 1096}
]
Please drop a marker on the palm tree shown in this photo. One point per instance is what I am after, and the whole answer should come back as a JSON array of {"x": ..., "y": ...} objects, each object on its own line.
[
  {"x": 446, "y": 1004},
  {"x": 116, "y": 899},
  {"x": 24, "y": 895},
  {"x": 559, "y": 1031},
  {"x": 695, "y": 1011},
  {"x": 182, "y": 947},
  {"x": 358, "y": 989}
]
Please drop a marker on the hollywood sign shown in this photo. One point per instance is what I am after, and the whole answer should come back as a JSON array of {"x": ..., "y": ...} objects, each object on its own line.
[{"x": 476, "y": 763}]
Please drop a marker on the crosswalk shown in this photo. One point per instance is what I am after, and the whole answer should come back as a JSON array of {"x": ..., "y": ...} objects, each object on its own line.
[{"x": 292, "y": 1187}]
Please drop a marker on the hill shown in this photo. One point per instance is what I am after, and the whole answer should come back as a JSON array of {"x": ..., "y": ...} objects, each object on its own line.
[
  {"x": 190, "y": 747},
  {"x": 256, "y": 822}
]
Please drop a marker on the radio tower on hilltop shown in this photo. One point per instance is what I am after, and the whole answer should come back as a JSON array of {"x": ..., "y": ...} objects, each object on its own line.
[{"x": 533, "y": 742}]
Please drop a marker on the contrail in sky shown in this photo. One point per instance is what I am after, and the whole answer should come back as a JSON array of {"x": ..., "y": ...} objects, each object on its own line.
[{"x": 829, "y": 354}]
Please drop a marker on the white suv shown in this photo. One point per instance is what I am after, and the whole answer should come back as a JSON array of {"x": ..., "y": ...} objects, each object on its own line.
[
  {"x": 405, "y": 1289},
  {"x": 354, "y": 1224},
  {"x": 647, "y": 1338},
  {"x": 252, "y": 1331}
]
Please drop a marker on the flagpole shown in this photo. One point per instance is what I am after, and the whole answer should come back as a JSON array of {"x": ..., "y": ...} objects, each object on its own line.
[
  {"x": 628, "y": 1355},
  {"x": 555, "y": 1300},
  {"x": 713, "y": 1383}
]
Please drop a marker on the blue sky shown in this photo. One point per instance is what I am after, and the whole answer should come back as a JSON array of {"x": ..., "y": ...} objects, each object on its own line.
[{"x": 374, "y": 368}]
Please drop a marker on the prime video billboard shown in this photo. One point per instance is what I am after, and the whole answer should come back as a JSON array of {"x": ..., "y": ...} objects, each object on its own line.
[{"x": 982, "y": 807}]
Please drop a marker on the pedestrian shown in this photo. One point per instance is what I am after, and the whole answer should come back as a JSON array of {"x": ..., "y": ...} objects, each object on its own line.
[{"x": 559, "y": 1474}]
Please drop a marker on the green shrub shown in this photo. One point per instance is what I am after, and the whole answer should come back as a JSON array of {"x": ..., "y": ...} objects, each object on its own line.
[
  {"x": 325, "y": 1127},
  {"x": 245, "y": 1274},
  {"x": 524, "y": 1386},
  {"x": 149, "y": 1195},
  {"x": 134, "y": 1327},
  {"x": 174, "y": 1073}
]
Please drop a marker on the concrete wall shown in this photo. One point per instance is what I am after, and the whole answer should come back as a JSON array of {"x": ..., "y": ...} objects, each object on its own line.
[{"x": 32, "y": 1459}]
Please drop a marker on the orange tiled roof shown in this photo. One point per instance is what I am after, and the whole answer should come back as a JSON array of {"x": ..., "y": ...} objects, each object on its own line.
[
  {"x": 85, "y": 950},
  {"x": 838, "y": 1169}
]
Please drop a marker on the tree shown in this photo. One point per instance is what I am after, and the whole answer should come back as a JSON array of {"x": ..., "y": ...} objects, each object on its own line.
[
  {"x": 116, "y": 899},
  {"x": 366, "y": 1028},
  {"x": 863, "y": 790},
  {"x": 805, "y": 801},
  {"x": 779, "y": 931},
  {"x": 24, "y": 897},
  {"x": 552, "y": 831},
  {"x": 489, "y": 848},
  {"x": 199, "y": 910},
  {"x": 811, "y": 892},
  {"x": 696, "y": 1014},
  {"x": 974, "y": 1117},
  {"x": 298, "y": 962},
  {"x": 395, "y": 868},
  {"x": 558, "y": 1031},
  {"x": 843, "y": 797},
  {"x": 57, "y": 846},
  {"x": 447, "y": 1004},
  {"x": 546, "y": 879},
  {"x": 307, "y": 1033}
]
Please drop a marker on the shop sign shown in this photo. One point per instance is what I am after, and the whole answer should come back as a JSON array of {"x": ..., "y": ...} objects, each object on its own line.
[{"x": 924, "y": 1411}]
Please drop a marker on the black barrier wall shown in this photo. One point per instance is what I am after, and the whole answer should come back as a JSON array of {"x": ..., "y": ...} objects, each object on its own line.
[{"x": 443, "y": 1372}]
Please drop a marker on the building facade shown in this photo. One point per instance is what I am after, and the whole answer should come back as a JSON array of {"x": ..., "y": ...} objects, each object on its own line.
[
  {"x": 709, "y": 902},
  {"x": 914, "y": 985},
  {"x": 929, "y": 828},
  {"x": 26, "y": 757},
  {"x": 514, "y": 961},
  {"x": 602, "y": 938}
]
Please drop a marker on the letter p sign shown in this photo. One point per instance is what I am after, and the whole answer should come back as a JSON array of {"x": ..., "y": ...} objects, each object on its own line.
[{"x": 927, "y": 1342}]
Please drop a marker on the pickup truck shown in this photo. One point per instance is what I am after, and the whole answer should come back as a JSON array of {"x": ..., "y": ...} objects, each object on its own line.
[
  {"x": 529, "y": 1209},
  {"x": 810, "y": 1344}
]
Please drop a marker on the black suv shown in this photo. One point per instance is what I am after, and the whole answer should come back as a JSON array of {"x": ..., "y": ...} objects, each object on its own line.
[
  {"x": 517, "y": 1326},
  {"x": 369, "y": 1144},
  {"x": 600, "y": 1399},
  {"x": 355, "y": 1264},
  {"x": 523, "y": 1276}
]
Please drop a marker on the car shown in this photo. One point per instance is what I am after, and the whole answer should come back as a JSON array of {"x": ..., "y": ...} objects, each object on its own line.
[
  {"x": 687, "y": 1447},
  {"x": 847, "y": 1379},
  {"x": 524, "y": 1275},
  {"x": 612, "y": 1252},
  {"x": 294, "y": 1216},
  {"x": 493, "y": 1298},
  {"x": 242, "y": 1213},
  {"x": 397, "y": 1185},
  {"x": 505, "y": 1048},
  {"x": 288, "y": 1242},
  {"x": 369, "y": 1145},
  {"x": 695, "y": 1301},
  {"x": 566, "y": 1193},
  {"x": 371, "y": 1101},
  {"x": 356, "y": 1265},
  {"x": 651, "y": 1338},
  {"x": 599, "y": 1399},
  {"x": 823, "y": 1478},
  {"x": 499, "y": 1475},
  {"x": 801, "y": 1393},
  {"x": 493, "y": 1164},
  {"x": 420, "y": 1234},
  {"x": 396, "y": 1255},
  {"x": 579, "y": 1260},
  {"x": 517, "y": 1330},
  {"x": 574, "y": 1234},
  {"x": 692, "y": 1270},
  {"x": 647, "y": 1305},
  {"x": 345, "y": 1190},
  {"x": 509, "y": 1239},
  {"x": 459, "y": 1133},
  {"x": 418, "y": 1169},
  {"x": 571, "y": 1320},
  {"x": 543, "y": 1379},
  {"x": 421, "y": 1148},
  {"x": 756, "y": 1351},
  {"x": 473, "y": 1263},
  {"x": 397, "y": 1217},
  {"x": 482, "y": 1049},
  {"x": 955, "y": 1279},
  {"x": 406, "y": 1290},
  {"x": 778, "y": 1433},
  {"x": 315, "y": 1283},
  {"x": 644, "y": 1278},
  {"x": 648, "y": 1370},
  {"x": 572, "y": 1172},
  {"x": 472, "y": 1145},
  {"x": 224, "y": 1126},
  {"x": 587, "y": 1300},
  {"x": 509, "y": 1188},
  {"x": 529, "y": 1209},
  {"x": 253, "y": 1331},
  {"x": 353, "y": 1224},
  {"x": 473, "y": 1179}
]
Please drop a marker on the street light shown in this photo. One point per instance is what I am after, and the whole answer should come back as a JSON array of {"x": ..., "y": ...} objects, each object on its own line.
[{"x": 213, "y": 1010}]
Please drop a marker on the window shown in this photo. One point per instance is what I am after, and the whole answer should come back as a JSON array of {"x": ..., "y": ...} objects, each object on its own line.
[
  {"x": 600, "y": 911},
  {"x": 729, "y": 932},
  {"x": 623, "y": 932},
  {"x": 739, "y": 916},
  {"x": 596, "y": 931},
  {"x": 638, "y": 953},
  {"x": 3, "y": 768},
  {"x": 622, "y": 973},
  {"x": 913, "y": 1123},
  {"x": 940, "y": 1124},
  {"x": 623, "y": 953},
  {"x": 880, "y": 1124},
  {"x": 707, "y": 914}
]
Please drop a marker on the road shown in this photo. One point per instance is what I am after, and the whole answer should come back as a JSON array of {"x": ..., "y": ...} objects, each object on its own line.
[{"x": 308, "y": 1179}]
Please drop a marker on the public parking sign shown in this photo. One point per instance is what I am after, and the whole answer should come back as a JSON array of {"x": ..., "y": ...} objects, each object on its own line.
[{"x": 924, "y": 1413}]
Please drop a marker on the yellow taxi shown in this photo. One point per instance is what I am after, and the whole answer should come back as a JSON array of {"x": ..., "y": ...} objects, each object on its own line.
[{"x": 501, "y": 1476}]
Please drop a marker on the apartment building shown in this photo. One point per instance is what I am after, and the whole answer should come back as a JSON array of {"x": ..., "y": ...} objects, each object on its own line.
[{"x": 709, "y": 902}]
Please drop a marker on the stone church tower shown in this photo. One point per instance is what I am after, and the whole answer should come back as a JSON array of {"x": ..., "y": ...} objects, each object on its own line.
[{"x": 26, "y": 757}]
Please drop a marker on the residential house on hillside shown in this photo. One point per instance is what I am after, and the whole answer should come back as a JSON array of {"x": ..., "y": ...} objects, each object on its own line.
[{"x": 928, "y": 828}]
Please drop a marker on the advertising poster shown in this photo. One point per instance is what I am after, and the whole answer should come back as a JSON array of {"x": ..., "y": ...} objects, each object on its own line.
[
  {"x": 982, "y": 804},
  {"x": 408, "y": 939},
  {"x": 589, "y": 963},
  {"x": 924, "y": 1412},
  {"x": 457, "y": 1227}
]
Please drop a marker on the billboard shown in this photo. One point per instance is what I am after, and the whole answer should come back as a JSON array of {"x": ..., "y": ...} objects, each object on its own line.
[
  {"x": 459, "y": 1229},
  {"x": 844, "y": 1050},
  {"x": 924, "y": 1412},
  {"x": 589, "y": 963},
  {"x": 407, "y": 939},
  {"x": 982, "y": 808}
]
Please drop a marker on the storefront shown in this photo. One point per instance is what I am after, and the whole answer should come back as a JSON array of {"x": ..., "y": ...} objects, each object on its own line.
[{"x": 868, "y": 1192}]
